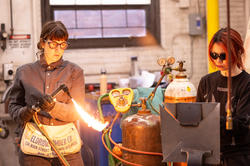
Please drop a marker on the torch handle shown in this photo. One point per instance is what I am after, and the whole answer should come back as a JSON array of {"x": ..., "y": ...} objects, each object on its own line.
[{"x": 61, "y": 87}]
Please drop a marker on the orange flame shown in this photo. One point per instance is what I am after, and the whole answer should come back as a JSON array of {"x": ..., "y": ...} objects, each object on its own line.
[{"x": 91, "y": 121}]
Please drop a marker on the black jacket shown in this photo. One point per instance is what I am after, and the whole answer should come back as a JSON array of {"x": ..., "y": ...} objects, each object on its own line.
[{"x": 213, "y": 88}]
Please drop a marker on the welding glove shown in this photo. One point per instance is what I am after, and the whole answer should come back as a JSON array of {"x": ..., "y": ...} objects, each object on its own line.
[
  {"x": 26, "y": 113},
  {"x": 46, "y": 103}
]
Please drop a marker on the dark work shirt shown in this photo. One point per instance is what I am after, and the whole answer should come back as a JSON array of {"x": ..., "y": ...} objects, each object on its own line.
[{"x": 36, "y": 79}]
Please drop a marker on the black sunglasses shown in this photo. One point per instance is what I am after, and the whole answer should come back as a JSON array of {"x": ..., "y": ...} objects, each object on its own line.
[{"x": 214, "y": 55}]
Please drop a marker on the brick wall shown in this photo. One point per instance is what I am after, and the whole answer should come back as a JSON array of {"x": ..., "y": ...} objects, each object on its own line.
[
  {"x": 175, "y": 41},
  {"x": 237, "y": 15}
]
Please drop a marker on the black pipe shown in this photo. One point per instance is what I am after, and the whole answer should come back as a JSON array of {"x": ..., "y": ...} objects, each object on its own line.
[
  {"x": 3, "y": 37},
  {"x": 11, "y": 19}
]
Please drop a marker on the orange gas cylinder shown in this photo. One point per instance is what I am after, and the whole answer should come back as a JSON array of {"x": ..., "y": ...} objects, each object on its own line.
[
  {"x": 141, "y": 132},
  {"x": 180, "y": 90}
]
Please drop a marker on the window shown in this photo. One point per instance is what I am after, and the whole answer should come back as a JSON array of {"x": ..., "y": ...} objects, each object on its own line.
[{"x": 106, "y": 23}]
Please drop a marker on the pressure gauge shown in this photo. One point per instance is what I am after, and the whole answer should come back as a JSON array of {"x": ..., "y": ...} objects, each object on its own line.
[
  {"x": 161, "y": 61},
  {"x": 121, "y": 99},
  {"x": 126, "y": 92},
  {"x": 115, "y": 93},
  {"x": 5, "y": 34},
  {"x": 170, "y": 60}
]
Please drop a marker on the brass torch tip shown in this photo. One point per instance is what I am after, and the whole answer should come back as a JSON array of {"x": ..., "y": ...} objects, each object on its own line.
[
  {"x": 229, "y": 120},
  {"x": 229, "y": 124}
]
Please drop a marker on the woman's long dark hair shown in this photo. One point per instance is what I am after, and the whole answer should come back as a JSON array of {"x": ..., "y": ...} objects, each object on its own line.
[{"x": 236, "y": 45}]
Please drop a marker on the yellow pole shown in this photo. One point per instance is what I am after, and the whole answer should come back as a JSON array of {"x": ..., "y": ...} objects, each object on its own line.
[{"x": 212, "y": 24}]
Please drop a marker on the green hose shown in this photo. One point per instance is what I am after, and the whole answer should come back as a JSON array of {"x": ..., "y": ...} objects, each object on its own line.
[
  {"x": 111, "y": 159},
  {"x": 100, "y": 107}
]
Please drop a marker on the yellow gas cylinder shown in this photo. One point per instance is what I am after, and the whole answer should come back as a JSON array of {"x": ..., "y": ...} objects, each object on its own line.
[{"x": 180, "y": 90}]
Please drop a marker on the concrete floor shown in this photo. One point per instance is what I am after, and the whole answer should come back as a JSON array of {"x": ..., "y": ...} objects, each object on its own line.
[{"x": 8, "y": 156}]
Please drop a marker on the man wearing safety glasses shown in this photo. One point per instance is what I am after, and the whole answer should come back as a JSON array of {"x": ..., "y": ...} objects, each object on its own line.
[{"x": 235, "y": 144}]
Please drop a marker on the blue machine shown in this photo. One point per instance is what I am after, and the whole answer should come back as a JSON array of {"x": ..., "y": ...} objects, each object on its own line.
[{"x": 93, "y": 151}]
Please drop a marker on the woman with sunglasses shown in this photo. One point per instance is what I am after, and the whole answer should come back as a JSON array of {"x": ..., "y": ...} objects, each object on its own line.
[
  {"x": 33, "y": 85},
  {"x": 235, "y": 144}
]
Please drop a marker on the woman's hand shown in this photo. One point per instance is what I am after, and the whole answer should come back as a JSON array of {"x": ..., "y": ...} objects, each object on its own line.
[
  {"x": 26, "y": 113},
  {"x": 46, "y": 103}
]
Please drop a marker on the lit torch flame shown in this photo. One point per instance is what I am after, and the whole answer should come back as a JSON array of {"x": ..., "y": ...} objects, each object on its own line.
[{"x": 91, "y": 121}]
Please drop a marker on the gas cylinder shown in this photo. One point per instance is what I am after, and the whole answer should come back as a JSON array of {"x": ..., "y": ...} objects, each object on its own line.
[
  {"x": 141, "y": 132},
  {"x": 180, "y": 90}
]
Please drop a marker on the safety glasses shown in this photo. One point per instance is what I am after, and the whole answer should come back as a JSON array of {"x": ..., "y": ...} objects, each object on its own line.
[
  {"x": 214, "y": 55},
  {"x": 53, "y": 45}
]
